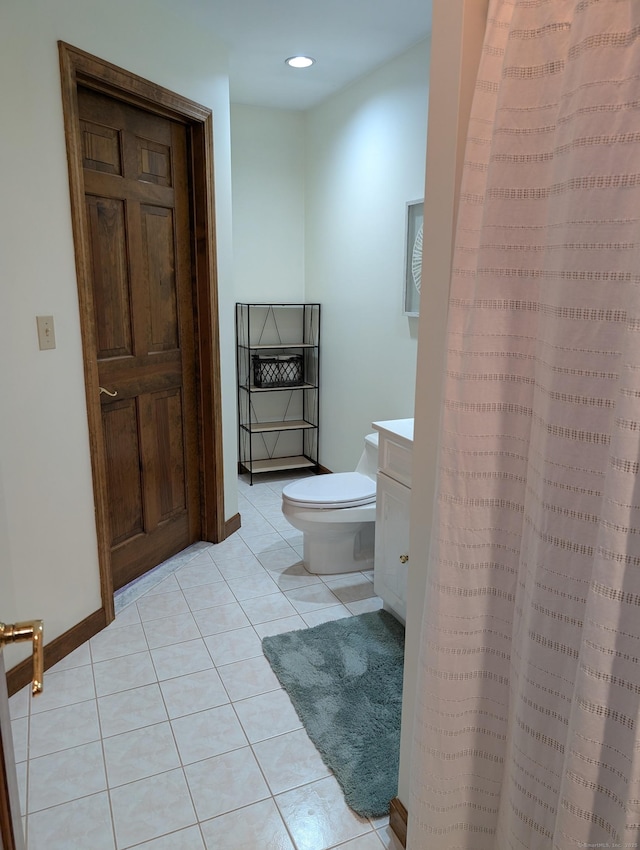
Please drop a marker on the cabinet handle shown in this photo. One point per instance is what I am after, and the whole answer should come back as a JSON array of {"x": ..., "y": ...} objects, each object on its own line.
[{"x": 404, "y": 559}]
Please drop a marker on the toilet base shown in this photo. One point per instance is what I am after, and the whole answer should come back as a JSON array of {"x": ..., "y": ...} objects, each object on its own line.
[{"x": 333, "y": 552}]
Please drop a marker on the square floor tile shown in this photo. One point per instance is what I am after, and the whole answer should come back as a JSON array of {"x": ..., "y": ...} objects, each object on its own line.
[
  {"x": 248, "y": 678},
  {"x": 140, "y": 753},
  {"x": 112, "y": 643},
  {"x": 66, "y": 775},
  {"x": 251, "y": 586},
  {"x": 132, "y": 709},
  {"x": 208, "y": 733},
  {"x": 194, "y": 692},
  {"x": 120, "y": 674},
  {"x": 212, "y": 621},
  {"x": 364, "y": 606},
  {"x": 238, "y": 567},
  {"x": 278, "y": 627},
  {"x": 324, "y": 615},
  {"x": 62, "y": 728},
  {"x": 255, "y": 827},
  {"x": 352, "y": 588},
  {"x": 226, "y": 782},
  {"x": 125, "y": 617},
  {"x": 253, "y": 524},
  {"x": 77, "y": 825},
  {"x": 262, "y": 543},
  {"x": 65, "y": 687},
  {"x": 151, "y": 807},
  {"x": 236, "y": 645},
  {"x": 168, "y": 630},
  {"x": 184, "y": 839},
  {"x": 200, "y": 571},
  {"x": 370, "y": 841},
  {"x": 389, "y": 839},
  {"x": 267, "y": 715},
  {"x": 277, "y": 521},
  {"x": 162, "y": 605},
  {"x": 264, "y": 497},
  {"x": 313, "y": 598},
  {"x": 289, "y": 760},
  {"x": 208, "y": 595},
  {"x": 293, "y": 577},
  {"x": 318, "y": 817},
  {"x": 279, "y": 559},
  {"x": 166, "y": 585},
  {"x": 178, "y": 659},
  {"x": 271, "y": 607},
  {"x": 232, "y": 547}
]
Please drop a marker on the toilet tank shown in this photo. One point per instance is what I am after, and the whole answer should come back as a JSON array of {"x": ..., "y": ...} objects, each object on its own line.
[{"x": 368, "y": 463}]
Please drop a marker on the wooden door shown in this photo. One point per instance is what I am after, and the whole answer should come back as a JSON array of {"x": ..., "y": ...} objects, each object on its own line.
[
  {"x": 11, "y": 837},
  {"x": 138, "y": 230}
]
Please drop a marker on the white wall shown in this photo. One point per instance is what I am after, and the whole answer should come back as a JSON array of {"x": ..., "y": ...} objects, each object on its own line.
[
  {"x": 47, "y": 528},
  {"x": 365, "y": 160},
  {"x": 268, "y": 168}
]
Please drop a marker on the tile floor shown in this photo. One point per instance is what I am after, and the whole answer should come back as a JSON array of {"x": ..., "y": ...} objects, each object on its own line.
[{"x": 169, "y": 731}]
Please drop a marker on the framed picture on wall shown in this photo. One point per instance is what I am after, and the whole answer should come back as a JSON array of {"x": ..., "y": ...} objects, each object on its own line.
[{"x": 413, "y": 257}]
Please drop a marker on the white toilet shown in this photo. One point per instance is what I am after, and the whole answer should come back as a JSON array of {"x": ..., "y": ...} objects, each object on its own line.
[{"x": 336, "y": 514}]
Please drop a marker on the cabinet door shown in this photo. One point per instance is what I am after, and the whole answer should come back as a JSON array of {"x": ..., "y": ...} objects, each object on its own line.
[{"x": 392, "y": 544}]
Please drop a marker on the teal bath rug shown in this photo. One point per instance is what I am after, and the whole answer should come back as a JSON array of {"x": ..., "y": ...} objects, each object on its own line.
[{"x": 344, "y": 679}]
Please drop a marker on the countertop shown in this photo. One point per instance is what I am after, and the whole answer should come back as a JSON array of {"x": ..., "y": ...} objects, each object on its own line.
[{"x": 398, "y": 429}]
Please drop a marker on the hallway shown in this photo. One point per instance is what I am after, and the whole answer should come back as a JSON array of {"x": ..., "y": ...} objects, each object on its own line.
[{"x": 169, "y": 731}]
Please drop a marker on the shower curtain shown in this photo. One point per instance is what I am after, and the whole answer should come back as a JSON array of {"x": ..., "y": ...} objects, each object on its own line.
[{"x": 527, "y": 716}]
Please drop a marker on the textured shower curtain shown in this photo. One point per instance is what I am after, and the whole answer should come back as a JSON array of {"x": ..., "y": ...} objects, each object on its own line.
[{"x": 526, "y": 734}]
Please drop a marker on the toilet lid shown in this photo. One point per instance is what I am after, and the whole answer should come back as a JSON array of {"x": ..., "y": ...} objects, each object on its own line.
[{"x": 339, "y": 490}]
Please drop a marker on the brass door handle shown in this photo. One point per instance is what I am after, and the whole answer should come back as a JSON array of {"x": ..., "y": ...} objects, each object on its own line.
[
  {"x": 31, "y": 630},
  {"x": 106, "y": 392}
]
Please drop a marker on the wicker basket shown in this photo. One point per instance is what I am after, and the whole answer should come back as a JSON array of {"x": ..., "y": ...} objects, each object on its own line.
[{"x": 283, "y": 370}]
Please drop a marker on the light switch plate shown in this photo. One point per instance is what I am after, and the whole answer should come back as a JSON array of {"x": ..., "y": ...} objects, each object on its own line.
[{"x": 46, "y": 332}]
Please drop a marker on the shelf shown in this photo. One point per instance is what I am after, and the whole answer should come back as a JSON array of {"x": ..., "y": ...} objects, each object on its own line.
[
  {"x": 286, "y": 425},
  {"x": 263, "y": 345},
  {"x": 276, "y": 430},
  {"x": 278, "y": 464},
  {"x": 253, "y": 389}
]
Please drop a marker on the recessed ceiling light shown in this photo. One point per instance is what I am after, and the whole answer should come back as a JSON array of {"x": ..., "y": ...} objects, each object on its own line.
[{"x": 299, "y": 61}]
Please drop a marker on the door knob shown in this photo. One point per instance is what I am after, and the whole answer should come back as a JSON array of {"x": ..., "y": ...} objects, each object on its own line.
[{"x": 31, "y": 630}]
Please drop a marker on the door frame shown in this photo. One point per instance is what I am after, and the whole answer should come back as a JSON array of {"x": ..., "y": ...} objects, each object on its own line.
[
  {"x": 11, "y": 835},
  {"x": 80, "y": 68}
]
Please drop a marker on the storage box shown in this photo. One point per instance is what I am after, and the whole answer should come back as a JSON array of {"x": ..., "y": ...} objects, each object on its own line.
[{"x": 282, "y": 370}]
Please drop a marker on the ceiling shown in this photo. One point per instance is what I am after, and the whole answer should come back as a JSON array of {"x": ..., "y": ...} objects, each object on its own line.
[{"x": 347, "y": 38}]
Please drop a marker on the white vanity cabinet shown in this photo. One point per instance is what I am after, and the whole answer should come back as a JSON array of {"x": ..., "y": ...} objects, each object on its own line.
[{"x": 393, "y": 495}]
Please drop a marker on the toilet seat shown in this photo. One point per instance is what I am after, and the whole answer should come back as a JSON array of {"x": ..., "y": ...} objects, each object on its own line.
[{"x": 338, "y": 490}]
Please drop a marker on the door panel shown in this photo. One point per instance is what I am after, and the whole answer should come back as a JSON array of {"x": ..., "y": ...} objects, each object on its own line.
[
  {"x": 122, "y": 448},
  {"x": 168, "y": 423},
  {"x": 101, "y": 148},
  {"x": 137, "y": 201},
  {"x": 11, "y": 837},
  {"x": 157, "y": 240},
  {"x": 111, "y": 294}
]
